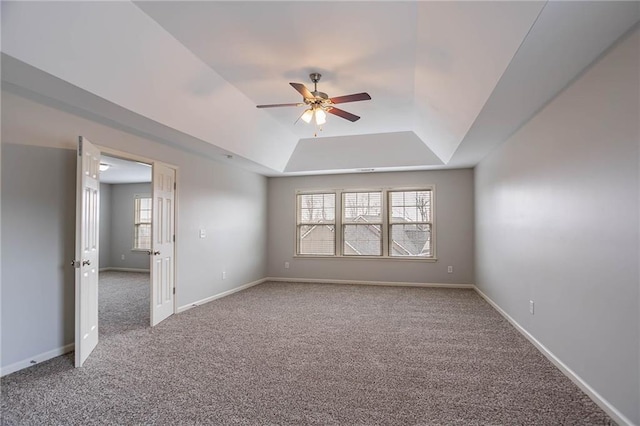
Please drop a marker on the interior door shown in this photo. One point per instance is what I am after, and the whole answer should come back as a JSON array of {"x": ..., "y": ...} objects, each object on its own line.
[
  {"x": 162, "y": 256},
  {"x": 86, "y": 261}
]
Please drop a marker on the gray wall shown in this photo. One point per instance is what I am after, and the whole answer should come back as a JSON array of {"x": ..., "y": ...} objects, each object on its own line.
[
  {"x": 37, "y": 290},
  {"x": 105, "y": 225},
  {"x": 116, "y": 226},
  {"x": 454, "y": 229},
  {"x": 38, "y": 244},
  {"x": 557, "y": 223},
  {"x": 121, "y": 228}
]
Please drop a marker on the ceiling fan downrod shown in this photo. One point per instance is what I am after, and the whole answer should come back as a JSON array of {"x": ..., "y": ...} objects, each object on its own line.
[
  {"x": 321, "y": 97},
  {"x": 315, "y": 78}
]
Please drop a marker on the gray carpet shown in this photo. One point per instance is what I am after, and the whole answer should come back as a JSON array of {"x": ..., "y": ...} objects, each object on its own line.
[
  {"x": 123, "y": 302},
  {"x": 301, "y": 354}
]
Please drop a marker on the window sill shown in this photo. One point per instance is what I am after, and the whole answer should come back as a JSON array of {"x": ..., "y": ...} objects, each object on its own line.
[{"x": 384, "y": 258}]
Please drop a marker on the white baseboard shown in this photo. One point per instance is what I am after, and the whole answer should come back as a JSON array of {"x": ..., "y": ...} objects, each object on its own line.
[
  {"x": 357, "y": 282},
  {"x": 16, "y": 366},
  {"x": 605, "y": 405},
  {"x": 219, "y": 295},
  {"x": 114, "y": 268},
  {"x": 310, "y": 280}
]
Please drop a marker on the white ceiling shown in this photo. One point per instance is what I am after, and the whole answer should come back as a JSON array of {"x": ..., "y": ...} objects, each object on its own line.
[
  {"x": 124, "y": 171},
  {"x": 448, "y": 80}
]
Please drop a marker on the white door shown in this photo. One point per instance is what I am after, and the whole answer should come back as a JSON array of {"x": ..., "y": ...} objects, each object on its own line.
[
  {"x": 86, "y": 261},
  {"x": 162, "y": 269}
]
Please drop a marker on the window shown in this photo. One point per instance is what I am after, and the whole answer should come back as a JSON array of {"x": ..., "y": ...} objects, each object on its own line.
[
  {"x": 316, "y": 224},
  {"x": 362, "y": 223},
  {"x": 387, "y": 223},
  {"x": 142, "y": 223},
  {"x": 410, "y": 223}
]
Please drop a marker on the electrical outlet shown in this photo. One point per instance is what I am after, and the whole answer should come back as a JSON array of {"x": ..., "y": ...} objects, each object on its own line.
[
  {"x": 224, "y": 275},
  {"x": 531, "y": 307},
  {"x": 122, "y": 257},
  {"x": 286, "y": 265},
  {"x": 449, "y": 269},
  {"x": 203, "y": 233}
]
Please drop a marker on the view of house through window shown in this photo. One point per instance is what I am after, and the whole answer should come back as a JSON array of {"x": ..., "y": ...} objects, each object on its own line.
[
  {"x": 410, "y": 223},
  {"x": 142, "y": 223},
  {"x": 362, "y": 223},
  {"x": 316, "y": 228},
  {"x": 386, "y": 223}
]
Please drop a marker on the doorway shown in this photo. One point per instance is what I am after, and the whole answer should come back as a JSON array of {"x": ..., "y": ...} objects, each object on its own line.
[
  {"x": 124, "y": 245},
  {"x": 151, "y": 237}
]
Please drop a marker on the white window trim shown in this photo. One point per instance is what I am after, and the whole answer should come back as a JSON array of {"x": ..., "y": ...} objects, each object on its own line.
[
  {"x": 299, "y": 224},
  {"x": 431, "y": 223},
  {"x": 133, "y": 237},
  {"x": 385, "y": 224}
]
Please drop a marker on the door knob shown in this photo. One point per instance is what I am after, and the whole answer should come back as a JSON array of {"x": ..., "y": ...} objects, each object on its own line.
[
  {"x": 86, "y": 262},
  {"x": 156, "y": 252}
]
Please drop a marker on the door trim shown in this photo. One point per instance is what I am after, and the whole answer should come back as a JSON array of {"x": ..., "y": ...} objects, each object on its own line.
[{"x": 134, "y": 157}]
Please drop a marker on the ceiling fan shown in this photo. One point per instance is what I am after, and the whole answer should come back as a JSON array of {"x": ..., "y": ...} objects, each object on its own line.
[{"x": 320, "y": 103}]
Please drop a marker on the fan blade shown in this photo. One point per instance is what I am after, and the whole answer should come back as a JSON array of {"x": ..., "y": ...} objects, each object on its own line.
[
  {"x": 303, "y": 90},
  {"x": 344, "y": 114},
  {"x": 364, "y": 96},
  {"x": 279, "y": 105}
]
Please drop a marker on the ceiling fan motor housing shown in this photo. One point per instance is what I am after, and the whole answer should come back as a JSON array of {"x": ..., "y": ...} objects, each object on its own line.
[{"x": 320, "y": 97}]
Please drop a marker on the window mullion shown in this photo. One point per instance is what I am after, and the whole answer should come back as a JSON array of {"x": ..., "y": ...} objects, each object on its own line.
[
  {"x": 385, "y": 223},
  {"x": 338, "y": 222}
]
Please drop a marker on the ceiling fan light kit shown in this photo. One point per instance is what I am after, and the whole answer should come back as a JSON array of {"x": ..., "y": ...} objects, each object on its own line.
[
  {"x": 321, "y": 116},
  {"x": 307, "y": 115},
  {"x": 319, "y": 103}
]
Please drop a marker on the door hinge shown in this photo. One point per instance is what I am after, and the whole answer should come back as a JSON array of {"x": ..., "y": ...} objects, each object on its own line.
[
  {"x": 174, "y": 290},
  {"x": 174, "y": 238},
  {"x": 79, "y": 146},
  {"x": 175, "y": 185}
]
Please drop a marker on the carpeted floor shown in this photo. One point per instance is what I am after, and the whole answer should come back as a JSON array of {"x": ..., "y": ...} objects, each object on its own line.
[
  {"x": 299, "y": 354},
  {"x": 123, "y": 302}
]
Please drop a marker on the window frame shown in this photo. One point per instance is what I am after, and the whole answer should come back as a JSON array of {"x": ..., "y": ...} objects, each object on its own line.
[
  {"x": 430, "y": 223},
  {"x": 137, "y": 222},
  {"x": 344, "y": 222},
  {"x": 385, "y": 225},
  {"x": 300, "y": 223}
]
